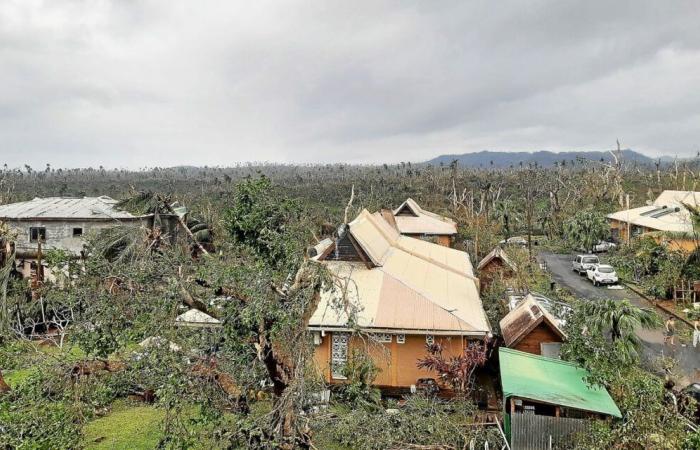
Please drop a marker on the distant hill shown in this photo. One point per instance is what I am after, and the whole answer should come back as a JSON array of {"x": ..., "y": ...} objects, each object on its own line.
[{"x": 542, "y": 158}]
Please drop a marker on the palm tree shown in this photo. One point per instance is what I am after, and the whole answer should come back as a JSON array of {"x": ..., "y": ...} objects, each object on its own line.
[
  {"x": 621, "y": 319},
  {"x": 585, "y": 229}
]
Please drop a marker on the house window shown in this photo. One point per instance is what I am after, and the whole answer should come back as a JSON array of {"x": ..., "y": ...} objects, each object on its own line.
[
  {"x": 339, "y": 354},
  {"x": 77, "y": 232},
  {"x": 400, "y": 338},
  {"x": 384, "y": 338},
  {"x": 36, "y": 234},
  {"x": 429, "y": 339}
]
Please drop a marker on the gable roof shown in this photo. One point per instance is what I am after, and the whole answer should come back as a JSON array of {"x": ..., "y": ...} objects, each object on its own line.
[
  {"x": 49, "y": 208},
  {"x": 412, "y": 285},
  {"x": 552, "y": 381},
  {"x": 519, "y": 322},
  {"x": 496, "y": 253},
  {"x": 666, "y": 213},
  {"x": 422, "y": 221},
  {"x": 196, "y": 318}
]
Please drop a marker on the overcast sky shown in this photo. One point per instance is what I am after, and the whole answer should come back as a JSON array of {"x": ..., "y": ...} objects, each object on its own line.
[{"x": 129, "y": 83}]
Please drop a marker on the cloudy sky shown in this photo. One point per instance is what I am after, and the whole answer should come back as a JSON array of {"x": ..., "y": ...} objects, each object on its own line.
[{"x": 133, "y": 83}]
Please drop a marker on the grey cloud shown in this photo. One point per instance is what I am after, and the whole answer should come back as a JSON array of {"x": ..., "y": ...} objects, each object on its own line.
[{"x": 128, "y": 83}]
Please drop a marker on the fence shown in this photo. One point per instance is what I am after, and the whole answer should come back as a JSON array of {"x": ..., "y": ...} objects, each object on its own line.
[{"x": 532, "y": 432}]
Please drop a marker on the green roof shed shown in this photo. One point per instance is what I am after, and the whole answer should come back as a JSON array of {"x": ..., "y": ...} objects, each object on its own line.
[{"x": 551, "y": 381}]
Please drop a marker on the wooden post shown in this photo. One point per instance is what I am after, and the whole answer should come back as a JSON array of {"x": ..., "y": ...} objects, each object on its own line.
[{"x": 629, "y": 235}]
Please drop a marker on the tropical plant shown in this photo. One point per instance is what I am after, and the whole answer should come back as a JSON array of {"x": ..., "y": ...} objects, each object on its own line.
[
  {"x": 457, "y": 371},
  {"x": 585, "y": 229},
  {"x": 620, "y": 319}
]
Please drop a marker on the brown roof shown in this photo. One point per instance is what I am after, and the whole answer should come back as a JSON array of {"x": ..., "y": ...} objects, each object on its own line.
[
  {"x": 496, "y": 253},
  {"x": 522, "y": 320}
]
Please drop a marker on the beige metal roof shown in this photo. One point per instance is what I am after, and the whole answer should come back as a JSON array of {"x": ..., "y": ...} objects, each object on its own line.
[
  {"x": 64, "y": 208},
  {"x": 667, "y": 213},
  {"x": 423, "y": 222},
  {"x": 524, "y": 318},
  {"x": 416, "y": 286}
]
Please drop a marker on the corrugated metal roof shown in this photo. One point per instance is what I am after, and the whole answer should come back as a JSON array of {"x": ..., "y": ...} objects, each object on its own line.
[
  {"x": 64, "y": 208},
  {"x": 524, "y": 318},
  {"x": 553, "y": 381},
  {"x": 424, "y": 222},
  {"x": 673, "y": 215},
  {"x": 415, "y": 285}
]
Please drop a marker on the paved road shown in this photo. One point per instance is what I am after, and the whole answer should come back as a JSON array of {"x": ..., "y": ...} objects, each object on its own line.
[{"x": 559, "y": 266}]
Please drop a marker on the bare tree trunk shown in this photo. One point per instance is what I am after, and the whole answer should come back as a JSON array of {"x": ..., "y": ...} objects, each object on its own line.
[{"x": 4, "y": 387}]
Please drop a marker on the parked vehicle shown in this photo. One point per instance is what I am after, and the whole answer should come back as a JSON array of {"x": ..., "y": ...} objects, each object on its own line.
[
  {"x": 582, "y": 263},
  {"x": 515, "y": 240},
  {"x": 604, "y": 246},
  {"x": 602, "y": 274}
]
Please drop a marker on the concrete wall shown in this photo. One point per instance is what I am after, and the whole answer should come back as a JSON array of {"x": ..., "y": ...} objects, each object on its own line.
[
  {"x": 396, "y": 362},
  {"x": 59, "y": 234}
]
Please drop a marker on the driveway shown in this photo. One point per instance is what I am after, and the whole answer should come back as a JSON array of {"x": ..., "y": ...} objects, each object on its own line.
[{"x": 559, "y": 266}]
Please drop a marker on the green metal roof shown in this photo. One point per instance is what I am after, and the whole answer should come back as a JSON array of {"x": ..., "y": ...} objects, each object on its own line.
[{"x": 551, "y": 381}]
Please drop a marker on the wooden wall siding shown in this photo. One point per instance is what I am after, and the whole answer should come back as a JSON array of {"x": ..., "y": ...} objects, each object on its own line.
[
  {"x": 531, "y": 342},
  {"x": 406, "y": 211},
  {"x": 345, "y": 251},
  {"x": 396, "y": 362},
  {"x": 444, "y": 240},
  {"x": 532, "y": 432},
  {"x": 496, "y": 269}
]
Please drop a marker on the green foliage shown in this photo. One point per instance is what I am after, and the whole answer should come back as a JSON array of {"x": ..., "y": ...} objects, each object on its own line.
[
  {"x": 419, "y": 421},
  {"x": 587, "y": 344},
  {"x": 360, "y": 372},
  {"x": 653, "y": 265},
  {"x": 265, "y": 222},
  {"x": 585, "y": 229}
]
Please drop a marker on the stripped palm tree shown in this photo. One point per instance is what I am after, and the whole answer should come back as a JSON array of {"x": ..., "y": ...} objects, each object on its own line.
[{"x": 621, "y": 319}]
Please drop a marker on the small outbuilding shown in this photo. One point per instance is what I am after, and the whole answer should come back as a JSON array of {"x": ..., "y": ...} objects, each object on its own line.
[
  {"x": 495, "y": 266},
  {"x": 547, "y": 401},
  {"x": 531, "y": 328}
]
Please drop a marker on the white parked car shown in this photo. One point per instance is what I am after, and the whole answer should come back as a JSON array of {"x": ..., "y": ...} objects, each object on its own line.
[
  {"x": 584, "y": 262},
  {"x": 515, "y": 240},
  {"x": 604, "y": 246},
  {"x": 602, "y": 274}
]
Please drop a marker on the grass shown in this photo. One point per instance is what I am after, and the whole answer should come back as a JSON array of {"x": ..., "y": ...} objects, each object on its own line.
[
  {"x": 125, "y": 427},
  {"x": 14, "y": 378}
]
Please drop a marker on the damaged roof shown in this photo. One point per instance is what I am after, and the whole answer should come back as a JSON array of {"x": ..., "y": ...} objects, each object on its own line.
[
  {"x": 412, "y": 219},
  {"x": 666, "y": 213},
  {"x": 524, "y": 318},
  {"x": 552, "y": 381},
  {"x": 411, "y": 285},
  {"x": 64, "y": 208}
]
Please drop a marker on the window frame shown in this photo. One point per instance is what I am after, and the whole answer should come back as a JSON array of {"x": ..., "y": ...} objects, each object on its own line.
[
  {"x": 39, "y": 233},
  {"x": 339, "y": 355},
  {"x": 80, "y": 234}
]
